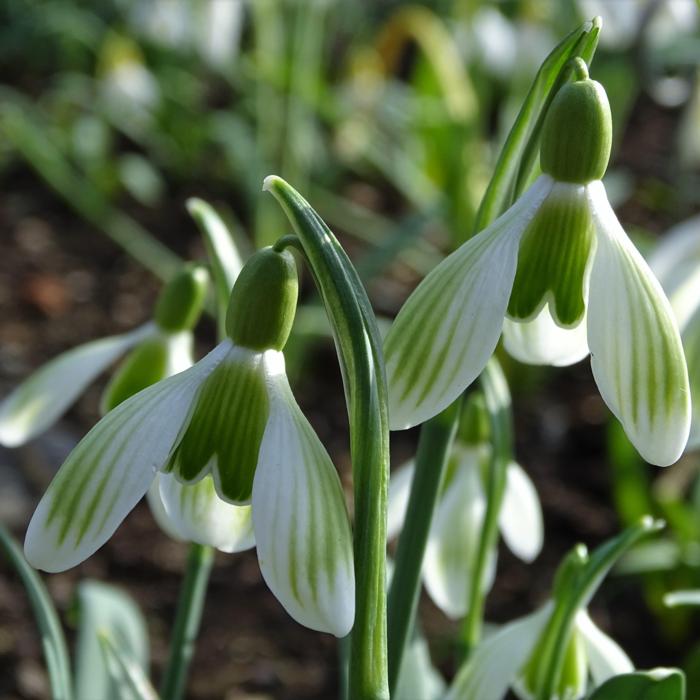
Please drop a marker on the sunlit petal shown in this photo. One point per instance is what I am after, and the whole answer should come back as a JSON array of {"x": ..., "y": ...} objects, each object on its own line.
[
  {"x": 43, "y": 398},
  {"x": 520, "y": 518},
  {"x": 449, "y": 327},
  {"x": 605, "y": 656},
  {"x": 542, "y": 342},
  {"x": 111, "y": 469},
  {"x": 301, "y": 523},
  {"x": 399, "y": 493},
  {"x": 636, "y": 352}
]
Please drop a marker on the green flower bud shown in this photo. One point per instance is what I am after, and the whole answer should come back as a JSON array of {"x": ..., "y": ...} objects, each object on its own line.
[
  {"x": 180, "y": 303},
  {"x": 577, "y": 133},
  {"x": 263, "y": 301}
]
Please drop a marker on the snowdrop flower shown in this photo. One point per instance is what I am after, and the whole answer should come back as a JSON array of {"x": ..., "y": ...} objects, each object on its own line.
[
  {"x": 676, "y": 262},
  {"x": 499, "y": 662},
  {"x": 232, "y": 416},
  {"x": 453, "y": 539},
  {"x": 559, "y": 277},
  {"x": 157, "y": 349}
]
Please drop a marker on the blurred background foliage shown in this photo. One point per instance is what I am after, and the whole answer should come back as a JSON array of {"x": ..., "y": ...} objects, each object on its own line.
[{"x": 388, "y": 116}]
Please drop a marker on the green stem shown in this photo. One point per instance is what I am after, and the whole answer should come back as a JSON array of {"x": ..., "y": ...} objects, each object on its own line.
[
  {"x": 497, "y": 399},
  {"x": 187, "y": 621},
  {"x": 362, "y": 365},
  {"x": 436, "y": 438}
]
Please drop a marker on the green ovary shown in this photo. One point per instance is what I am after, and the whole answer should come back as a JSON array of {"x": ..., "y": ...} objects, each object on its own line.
[
  {"x": 553, "y": 262},
  {"x": 226, "y": 429}
]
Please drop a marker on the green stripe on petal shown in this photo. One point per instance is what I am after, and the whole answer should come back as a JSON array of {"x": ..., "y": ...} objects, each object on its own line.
[
  {"x": 43, "y": 398},
  {"x": 199, "y": 515},
  {"x": 111, "y": 469},
  {"x": 554, "y": 259},
  {"x": 301, "y": 523},
  {"x": 636, "y": 352},
  {"x": 449, "y": 327},
  {"x": 541, "y": 341},
  {"x": 226, "y": 427}
]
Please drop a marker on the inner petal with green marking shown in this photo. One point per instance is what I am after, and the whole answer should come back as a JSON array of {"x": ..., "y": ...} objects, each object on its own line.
[
  {"x": 226, "y": 427},
  {"x": 554, "y": 259}
]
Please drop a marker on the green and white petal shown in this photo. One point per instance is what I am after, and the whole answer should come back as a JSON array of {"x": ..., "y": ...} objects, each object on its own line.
[
  {"x": 493, "y": 667},
  {"x": 520, "y": 518},
  {"x": 43, "y": 398},
  {"x": 691, "y": 345},
  {"x": 111, "y": 469},
  {"x": 449, "y": 327},
  {"x": 542, "y": 342},
  {"x": 399, "y": 493},
  {"x": 199, "y": 515},
  {"x": 605, "y": 656},
  {"x": 300, "y": 520},
  {"x": 454, "y": 538},
  {"x": 636, "y": 352}
]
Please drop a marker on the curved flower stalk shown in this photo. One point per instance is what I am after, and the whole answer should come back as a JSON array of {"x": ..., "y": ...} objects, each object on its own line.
[
  {"x": 676, "y": 263},
  {"x": 231, "y": 417},
  {"x": 457, "y": 522},
  {"x": 157, "y": 349},
  {"x": 558, "y": 276}
]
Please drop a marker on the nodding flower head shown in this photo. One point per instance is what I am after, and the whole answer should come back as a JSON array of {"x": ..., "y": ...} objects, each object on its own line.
[
  {"x": 559, "y": 278},
  {"x": 230, "y": 418}
]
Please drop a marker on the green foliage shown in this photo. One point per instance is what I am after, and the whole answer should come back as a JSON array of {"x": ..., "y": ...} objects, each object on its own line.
[{"x": 659, "y": 684}]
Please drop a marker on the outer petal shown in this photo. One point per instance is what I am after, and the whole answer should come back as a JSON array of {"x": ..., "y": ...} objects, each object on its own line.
[
  {"x": 418, "y": 677},
  {"x": 199, "y": 515},
  {"x": 521, "y": 515},
  {"x": 636, "y": 350},
  {"x": 449, "y": 327},
  {"x": 495, "y": 663},
  {"x": 160, "y": 515},
  {"x": 399, "y": 493},
  {"x": 111, "y": 469},
  {"x": 299, "y": 516},
  {"x": 43, "y": 398},
  {"x": 691, "y": 344},
  {"x": 543, "y": 342},
  {"x": 605, "y": 656},
  {"x": 454, "y": 538}
]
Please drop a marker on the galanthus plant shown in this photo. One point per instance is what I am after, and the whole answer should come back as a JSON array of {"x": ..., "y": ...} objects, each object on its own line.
[
  {"x": 558, "y": 276},
  {"x": 231, "y": 416}
]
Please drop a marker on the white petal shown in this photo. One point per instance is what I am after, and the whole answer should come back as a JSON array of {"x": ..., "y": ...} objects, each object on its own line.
[
  {"x": 636, "y": 352},
  {"x": 418, "y": 679},
  {"x": 44, "y": 397},
  {"x": 399, "y": 493},
  {"x": 449, "y": 327},
  {"x": 454, "y": 538},
  {"x": 199, "y": 515},
  {"x": 605, "y": 656},
  {"x": 160, "y": 515},
  {"x": 111, "y": 469},
  {"x": 180, "y": 352},
  {"x": 495, "y": 663},
  {"x": 542, "y": 342},
  {"x": 301, "y": 523},
  {"x": 520, "y": 519}
]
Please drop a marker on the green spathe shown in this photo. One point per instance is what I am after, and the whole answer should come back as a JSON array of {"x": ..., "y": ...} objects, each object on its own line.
[
  {"x": 180, "y": 303},
  {"x": 577, "y": 133},
  {"x": 263, "y": 301}
]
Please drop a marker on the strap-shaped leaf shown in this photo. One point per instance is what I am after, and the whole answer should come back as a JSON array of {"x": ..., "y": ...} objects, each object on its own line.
[
  {"x": 52, "y": 639},
  {"x": 362, "y": 365},
  {"x": 657, "y": 684}
]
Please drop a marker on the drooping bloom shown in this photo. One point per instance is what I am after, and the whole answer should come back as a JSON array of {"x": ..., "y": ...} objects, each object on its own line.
[
  {"x": 558, "y": 276},
  {"x": 231, "y": 418},
  {"x": 676, "y": 262},
  {"x": 458, "y": 519}
]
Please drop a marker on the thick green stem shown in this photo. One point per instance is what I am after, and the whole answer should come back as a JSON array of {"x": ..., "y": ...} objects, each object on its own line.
[
  {"x": 497, "y": 399},
  {"x": 187, "y": 621},
  {"x": 362, "y": 364},
  {"x": 436, "y": 438}
]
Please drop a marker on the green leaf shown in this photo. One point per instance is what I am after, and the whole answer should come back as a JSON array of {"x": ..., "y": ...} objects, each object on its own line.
[
  {"x": 658, "y": 684},
  {"x": 107, "y": 612},
  {"x": 52, "y": 639},
  {"x": 518, "y": 156}
]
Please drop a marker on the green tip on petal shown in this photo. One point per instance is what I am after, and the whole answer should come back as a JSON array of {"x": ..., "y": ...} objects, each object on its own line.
[
  {"x": 180, "y": 303},
  {"x": 577, "y": 133},
  {"x": 263, "y": 301}
]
